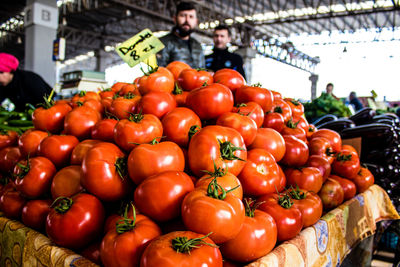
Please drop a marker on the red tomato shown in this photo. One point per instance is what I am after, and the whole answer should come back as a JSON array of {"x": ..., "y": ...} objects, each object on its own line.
[
  {"x": 29, "y": 142},
  {"x": 296, "y": 154},
  {"x": 261, "y": 96},
  {"x": 33, "y": 176},
  {"x": 67, "y": 182},
  {"x": 306, "y": 178},
  {"x": 122, "y": 107},
  {"x": 9, "y": 156},
  {"x": 270, "y": 140},
  {"x": 160, "y": 196},
  {"x": 75, "y": 222},
  {"x": 176, "y": 67},
  {"x": 274, "y": 120},
  {"x": 8, "y": 138},
  {"x": 117, "y": 86},
  {"x": 137, "y": 129},
  {"x": 80, "y": 121},
  {"x": 256, "y": 238},
  {"x": 180, "y": 124},
  {"x": 311, "y": 130},
  {"x": 241, "y": 123},
  {"x": 211, "y": 101},
  {"x": 92, "y": 253},
  {"x": 260, "y": 174},
  {"x": 129, "y": 89},
  {"x": 280, "y": 106},
  {"x": 104, "y": 130},
  {"x": 332, "y": 136},
  {"x": 276, "y": 95},
  {"x": 351, "y": 149},
  {"x": 251, "y": 109},
  {"x": 90, "y": 103},
  {"x": 35, "y": 212},
  {"x": 321, "y": 146},
  {"x": 349, "y": 188},
  {"x": 82, "y": 96},
  {"x": 50, "y": 118},
  {"x": 309, "y": 204},
  {"x": 321, "y": 163},
  {"x": 190, "y": 79},
  {"x": 12, "y": 204},
  {"x": 363, "y": 180},
  {"x": 302, "y": 123},
  {"x": 291, "y": 128},
  {"x": 346, "y": 164},
  {"x": 104, "y": 172},
  {"x": 331, "y": 194},
  {"x": 146, "y": 160},
  {"x": 160, "y": 80},
  {"x": 180, "y": 96},
  {"x": 157, "y": 103},
  {"x": 215, "y": 212},
  {"x": 217, "y": 145},
  {"x": 288, "y": 218},
  {"x": 230, "y": 78},
  {"x": 296, "y": 107},
  {"x": 187, "y": 249},
  {"x": 80, "y": 150},
  {"x": 58, "y": 149},
  {"x": 106, "y": 93}
]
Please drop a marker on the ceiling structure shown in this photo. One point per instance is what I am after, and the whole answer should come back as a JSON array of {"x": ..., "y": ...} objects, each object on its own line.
[{"x": 92, "y": 25}]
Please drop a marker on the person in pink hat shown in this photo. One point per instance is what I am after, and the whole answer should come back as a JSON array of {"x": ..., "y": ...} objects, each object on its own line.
[{"x": 20, "y": 86}]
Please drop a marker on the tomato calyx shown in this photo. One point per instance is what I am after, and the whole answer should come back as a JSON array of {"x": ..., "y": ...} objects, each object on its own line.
[
  {"x": 177, "y": 90},
  {"x": 182, "y": 244},
  {"x": 284, "y": 201},
  {"x": 278, "y": 109},
  {"x": 129, "y": 95},
  {"x": 62, "y": 204},
  {"x": 79, "y": 103},
  {"x": 121, "y": 167},
  {"x": 250, "y": 206},
  {"x": 4, "y": 132},
  {"x": 193, "y": 129},
  {"x": 24, "y": 169},
  {"x": 291, "y": 124},
  {"x": 109, "y": 115},
  {"x": 214, "y": 189},
  {"x": 138, "y": 117},
  {"x": 297, "y": 193},
  {"x": 257, "y": 85},
  {"x": 227, "y": 149},
  {"x": 311, "y": 129},
  {"x": 241, "y": 105},
  {"x": 329, "y": 152},
  {"x": 295, "y": 102},
  {"x": 126, "y": 224},
  {"x": 48, "y": 102},
  {"x": 218, "y": 172},
  {"x": 106, "y": 90},
  {"x": 82, "y": 93},
  {"x": 343, "y": 157},
  {"x": 150, "y": 70}
]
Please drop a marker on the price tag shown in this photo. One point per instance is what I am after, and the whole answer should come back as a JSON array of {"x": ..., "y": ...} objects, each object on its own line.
[{"x": 140, "y": 48}]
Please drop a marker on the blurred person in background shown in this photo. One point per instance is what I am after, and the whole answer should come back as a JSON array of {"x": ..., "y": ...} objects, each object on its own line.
[
  {"x": 329, "y": 90},
  {"x": 20, "y": 86},
  {"x": 355, "y": 101}
]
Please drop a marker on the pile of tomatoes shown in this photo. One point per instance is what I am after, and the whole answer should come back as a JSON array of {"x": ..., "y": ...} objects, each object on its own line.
[{"x": 181, "y": 167}]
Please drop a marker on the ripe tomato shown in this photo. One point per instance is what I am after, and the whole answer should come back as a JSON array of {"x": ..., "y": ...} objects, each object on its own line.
[
  {"x": 217, "y": 145},
  {"x": 106, "y": 93},
  {"x": 29, "y": 141},
  {"x": 33, "y": 176},
  {"x": 310, "y": 131},
  {"x": 321, "y": 146},
  {"x": 179, "y": 96},
  {"x": 160, "y": 196},
  {"x": 51, "y": 117},
  {"x": 129, "y": 89},
  {"x": 230, "y": 78},
  {"x": 34, "y": 213},
  {"x": 160, "y": 80},
  {"x": 296, "y": 154},
  {"x": 256, "y": 238},
  {"x": 288, "y": 218},
  {"x": 211, "y": 101},
  {"x": 292, "y": 128},
  {"x": 190, "y": 79},
  {"x": 180, "y": 124},
  {"x": 122, "y": 107},
  {"x": 146, "y": 160},
  {"x": 280, "y": 106},
  {"x": 270, "y": 140},
  {"x": 117, "y": 86},
  {"x": 219, "y": 213},
  {"x": 331, "y": 194},
  {"x": 104, "y": 130},
  {"x": 82, "y": 96},
  {"x": 276, "y": 95},
  {"x": 302, "y": 123},
  {"x": 274, "y": 120},
  {"x": 346, "y": 164},
  {"x": 241, "y": 123},
  {"x": 67, "y": 182},
  {"x": 58, "y": 149},
  {"x": 104, "y": 172},
  {"x": 351, "y": 149},
  {"x": 81, "y": 149},
  {"x": 260, "y": 174},
  {"x": 80, "y": 121},
  {"x": 296, "y": 107},
  {"x": 349, "y": 188},
  {"x": 181, "y": 248},
  {"x": 309, "y": 204},
  {"x": 137, "y": 129},
  {"x": 307, "y": 178},
  {"x": 251, "y": 109},
  {"x": 176, "y": 67},
  {"x": 9, "y": 156},
  {"x": 321, "y": 163},
  {"x": 12, "y": 203},
  {"x": 261, "y": 96},
  {"x": 90, "y": 103},
  {"x": 363, "y": 180},
  {"x": 8, "y": 138},
  {"x": 332, "y": 136},
  {"x": 75, "y": 222},
  {"x": 157, "y": 103}
]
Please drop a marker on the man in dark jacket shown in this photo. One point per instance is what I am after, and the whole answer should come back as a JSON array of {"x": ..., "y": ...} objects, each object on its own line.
[
  {"x": 20, "y": 86},
  {"x": 178, "y": 43},
  {"x": 222, "y": 58}
]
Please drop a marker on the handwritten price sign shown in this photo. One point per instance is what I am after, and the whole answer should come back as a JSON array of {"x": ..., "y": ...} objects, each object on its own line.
[{"x": 141, "y": 47}]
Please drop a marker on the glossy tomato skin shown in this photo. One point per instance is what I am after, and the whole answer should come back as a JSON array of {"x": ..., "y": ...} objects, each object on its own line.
[
  {"x": 80, "y": 150},
  {"x": 260, "y": 174},
  {"x": 29, "y": 142},
  {"x": 58, "y": 148},
  {"x": 129, "y": 89},
  {"x": 363, "y": 180},
  {"x": 262, "y": 96},
  {"x": 80, "y": 121},
  {"x": 160, "y": 196},
  {"x": 177, "y": 124},
  {"x": 322, "y": 147},
  {"x": 204, "y": 214},
  {"x": 241, "y": 123},
  {"x": 92, "y": 253},
  {"x": 190, "y": 79},
  {"x": 280, "y": 106},
  {"x": 256, "y": 238},
  {"x": 67, "y": 182},
  {"x": 332, "y": 136},
  {"x": 37, "y": 180},
  {"x": 211, "y": 101},
  {"x": 8, "y": 138},
  {"x": 161, "y": 80},
  {"x": 288, "y": 221},
  {"x": 128, "y": 133},
  {"x": 227, "y": 181},
  {"x": 79, "y": 225},
  {"x": 205, "y": 150},
  {"x": 349, "y": 188},
  {"x": 307, "y": 178},
  {"x": 230, "y": 78},
  {"x": 157, "y": 103},
  {"x": 51, "y": 119},
  {"x": 146, "y": 160},
  {"x": 161, "y": 253},
  {"x": 176, "y": 67},
  {"x": 100, "y": 173},
  {"x": 35, "y": 212},
  {"x": 104, "y": 130},
  {"x": 296, "y": 107},
  {"x": 274, "y": 120},
  {"x": 270, "y": 140},
  {"x": 12, "y": 203},
  {"x": 9, "y": 156},
  {"x": 331, "y": 194},
  {"x": 320, "y": 163},
  {"x": 296, "y": 154},
  {"x": 310, "y": 207},
  {"x": 121, "y": 107},
  {"x": 346, "y": 165},
  {"x": 251, "y": 109}
]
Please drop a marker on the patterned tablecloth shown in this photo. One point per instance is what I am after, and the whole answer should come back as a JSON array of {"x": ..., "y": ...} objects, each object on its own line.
[
  {"x": 327, "y": 242},
  {"x": 324, "y": 244}
]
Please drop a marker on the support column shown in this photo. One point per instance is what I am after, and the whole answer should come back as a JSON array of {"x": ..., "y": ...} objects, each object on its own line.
[
  {"x": 101, "y": 60},
  {"x": 247, "y": 54},
  {"x": 314, "y": 79},
  {"x": 41, "y": 23}
]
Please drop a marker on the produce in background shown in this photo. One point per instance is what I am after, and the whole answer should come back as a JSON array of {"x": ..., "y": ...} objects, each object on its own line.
[{"x": 325, "y": 104}]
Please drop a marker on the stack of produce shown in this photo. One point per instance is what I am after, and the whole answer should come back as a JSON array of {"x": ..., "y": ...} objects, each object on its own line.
[
  {"x": 182, "y": 167},
  {"x": 324, "y": 105}
]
